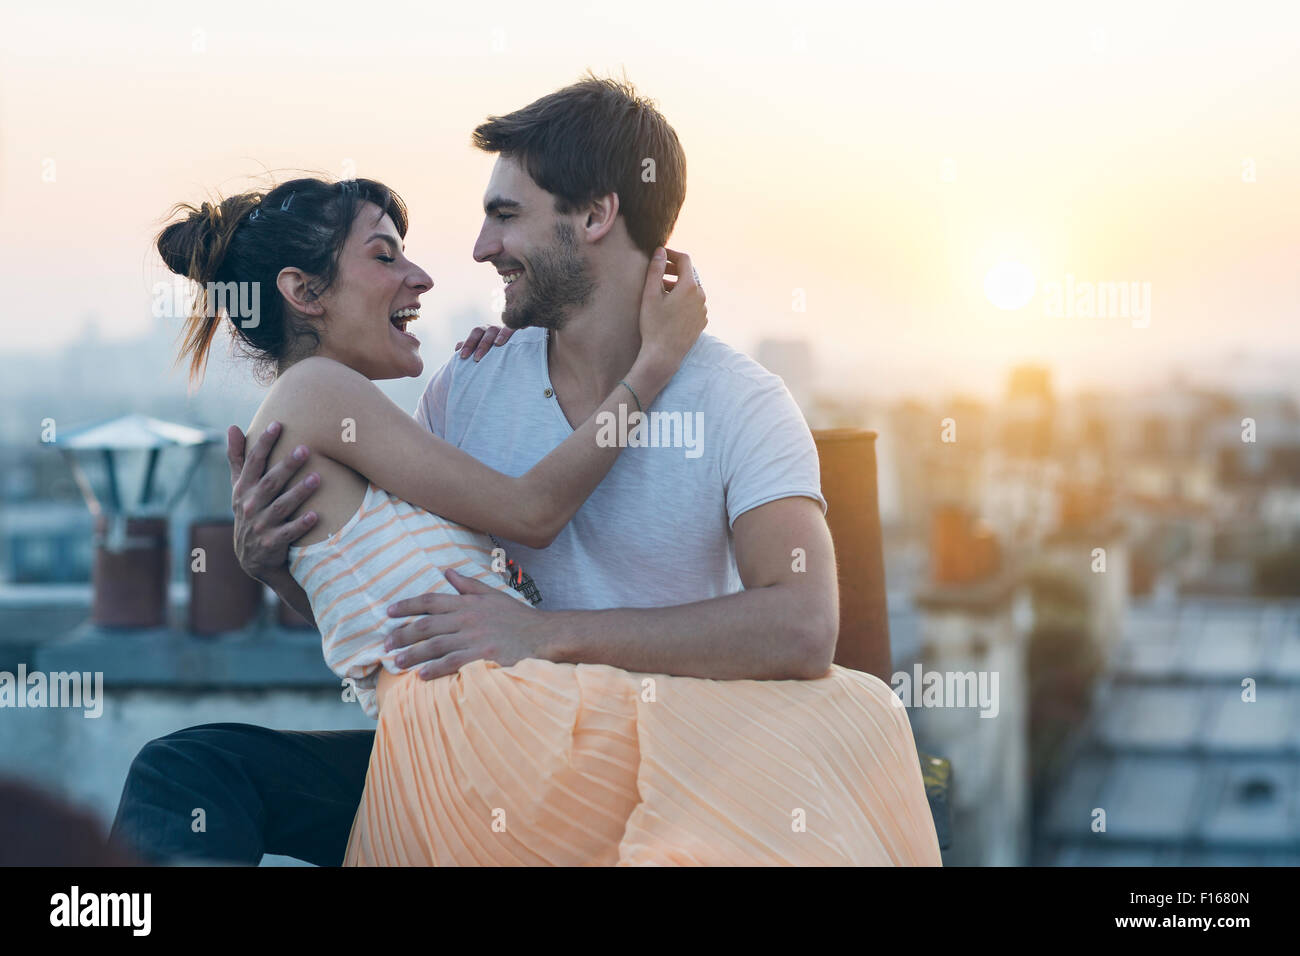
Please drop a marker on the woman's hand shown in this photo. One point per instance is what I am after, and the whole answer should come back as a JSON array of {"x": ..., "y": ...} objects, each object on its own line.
[
  {"x": 672, "y": 314},
  {"x": 481, "y": 339}
]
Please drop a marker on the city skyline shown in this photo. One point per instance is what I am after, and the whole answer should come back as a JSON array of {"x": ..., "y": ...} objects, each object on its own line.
[{"x": 870, "y": 179}]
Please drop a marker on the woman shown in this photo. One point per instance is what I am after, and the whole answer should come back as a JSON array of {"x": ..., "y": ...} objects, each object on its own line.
[{"x": 538, "y": 762}]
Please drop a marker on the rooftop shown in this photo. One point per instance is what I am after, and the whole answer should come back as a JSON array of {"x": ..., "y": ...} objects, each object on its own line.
[{"x": 1192, "y": 765}]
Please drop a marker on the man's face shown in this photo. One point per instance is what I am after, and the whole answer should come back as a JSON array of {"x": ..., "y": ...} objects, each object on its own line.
[{"x": 534, "y": 248}]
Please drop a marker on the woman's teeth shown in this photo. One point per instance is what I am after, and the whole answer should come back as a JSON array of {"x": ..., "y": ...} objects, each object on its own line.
[{"x": 402, "y": 316}]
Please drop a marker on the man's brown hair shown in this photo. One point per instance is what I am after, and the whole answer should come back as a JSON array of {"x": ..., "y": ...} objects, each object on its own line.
[{"x": 595, "y": 137}]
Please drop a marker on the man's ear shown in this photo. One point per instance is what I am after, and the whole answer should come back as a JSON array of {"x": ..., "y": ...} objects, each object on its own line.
[
  {"x": 295, "y": 287},
  {"x": 601, "y": 216}
]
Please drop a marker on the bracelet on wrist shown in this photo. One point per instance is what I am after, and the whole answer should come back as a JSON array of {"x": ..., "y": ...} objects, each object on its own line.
[{"x": 624, "y": 383}]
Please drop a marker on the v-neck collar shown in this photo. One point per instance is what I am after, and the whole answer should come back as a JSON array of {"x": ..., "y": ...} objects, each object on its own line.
[{"x": 549, "y": 387}]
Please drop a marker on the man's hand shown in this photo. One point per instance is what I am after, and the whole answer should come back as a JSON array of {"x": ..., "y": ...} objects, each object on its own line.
[
  {"x": 479, "y": 623},
  {"x": 262, "y": 533},
  {"x": 481, "y": 339}
]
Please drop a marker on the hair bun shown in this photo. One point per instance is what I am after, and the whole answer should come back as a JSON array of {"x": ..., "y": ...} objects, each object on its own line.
[{"x": 195, "y": 246}]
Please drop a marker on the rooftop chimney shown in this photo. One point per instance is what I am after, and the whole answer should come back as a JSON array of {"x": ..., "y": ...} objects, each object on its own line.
[{"x": 131, "y": 471}]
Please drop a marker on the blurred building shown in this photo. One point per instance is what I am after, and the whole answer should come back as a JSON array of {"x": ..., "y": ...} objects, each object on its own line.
[
  {"x": 973, "y": 621},
  {"x": 45, "y": 541},
  {"x": 1192, "y": 757}
]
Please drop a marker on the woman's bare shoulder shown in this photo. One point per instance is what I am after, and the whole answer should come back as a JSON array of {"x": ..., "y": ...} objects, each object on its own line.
[
  {"x": 323, "y": 403},
  {"x": 312, "y": 374},
  {"x": 305, "y": 390}
]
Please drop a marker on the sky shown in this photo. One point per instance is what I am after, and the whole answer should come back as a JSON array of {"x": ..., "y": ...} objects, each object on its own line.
[{"x": 854, "y": 172}]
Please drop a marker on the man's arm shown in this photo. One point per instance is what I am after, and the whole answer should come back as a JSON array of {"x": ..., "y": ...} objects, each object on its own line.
[
  {"x": 262, "y": 533},
  {"x": 783, "y": 626}
]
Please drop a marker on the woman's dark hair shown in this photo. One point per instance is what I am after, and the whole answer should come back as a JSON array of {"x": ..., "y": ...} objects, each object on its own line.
[
  {"x": 234, "y": 250},
  {"x": 595, "y": 137}
]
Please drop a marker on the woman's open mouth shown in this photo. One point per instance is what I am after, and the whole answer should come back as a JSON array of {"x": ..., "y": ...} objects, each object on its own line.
[{"x": 401, "y": 318}]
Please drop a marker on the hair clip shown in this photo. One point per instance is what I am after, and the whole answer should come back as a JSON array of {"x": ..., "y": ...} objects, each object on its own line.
[
  {"x": 284, "y": 206},
  {"x": 349, "y": 186},
  {"x": 254, "y": 215}
]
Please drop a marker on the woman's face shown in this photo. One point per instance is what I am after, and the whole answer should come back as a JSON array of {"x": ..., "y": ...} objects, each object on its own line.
[{"x": 375, "y": 293}]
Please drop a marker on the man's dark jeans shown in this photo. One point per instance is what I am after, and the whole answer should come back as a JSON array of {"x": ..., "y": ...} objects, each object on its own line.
[{"x": 292, "y": 793}]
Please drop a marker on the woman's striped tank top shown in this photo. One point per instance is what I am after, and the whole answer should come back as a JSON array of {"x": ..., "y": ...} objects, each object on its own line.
[{"x": 388, "y": 550}]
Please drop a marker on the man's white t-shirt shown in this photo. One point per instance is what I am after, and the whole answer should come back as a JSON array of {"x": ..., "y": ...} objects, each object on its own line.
[{"x": 657, "y": 531}]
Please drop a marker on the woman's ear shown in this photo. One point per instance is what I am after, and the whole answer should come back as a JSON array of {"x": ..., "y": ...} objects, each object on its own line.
[
  {"x": 295, "y": 287},
  {"x": 601, "y": 215}
]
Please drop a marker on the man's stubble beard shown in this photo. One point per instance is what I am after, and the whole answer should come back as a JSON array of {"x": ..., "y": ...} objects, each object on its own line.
[{"x": 559, "y": 283}]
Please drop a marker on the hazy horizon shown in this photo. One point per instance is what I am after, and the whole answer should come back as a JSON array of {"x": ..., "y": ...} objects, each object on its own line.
[{"x": 873, "y": 163}]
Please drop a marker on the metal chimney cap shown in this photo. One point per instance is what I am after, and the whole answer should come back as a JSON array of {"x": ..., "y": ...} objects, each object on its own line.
[{"x": 135, "y": 431}]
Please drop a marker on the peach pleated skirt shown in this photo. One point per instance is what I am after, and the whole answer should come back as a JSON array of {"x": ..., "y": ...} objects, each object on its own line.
[{"x": 573, "y": 765}]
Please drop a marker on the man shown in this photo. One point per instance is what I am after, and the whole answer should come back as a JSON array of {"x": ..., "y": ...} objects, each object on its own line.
[{"x": 703, "y": 553}]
